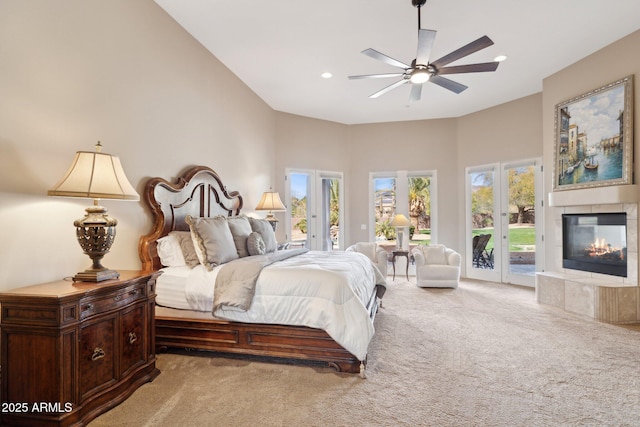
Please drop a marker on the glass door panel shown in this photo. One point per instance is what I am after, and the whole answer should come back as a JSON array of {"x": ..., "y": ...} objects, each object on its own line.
[
  {"x": 481, "y": 241},
  {"x": 384, "y": 210},
  {"x": 519, "y": 223},
  {"x": 330, "y": 213},
  {"x": 315, "y": 210},
  {"x": 299, "y": 190},
  {"x": 420, "y": 210}
]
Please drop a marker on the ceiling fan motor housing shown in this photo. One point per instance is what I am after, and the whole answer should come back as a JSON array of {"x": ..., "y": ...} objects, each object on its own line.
[{"x": 418, "y": 3}]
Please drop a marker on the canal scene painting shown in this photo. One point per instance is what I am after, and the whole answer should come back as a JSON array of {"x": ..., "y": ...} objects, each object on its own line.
[{"x": 594, "y": 138}]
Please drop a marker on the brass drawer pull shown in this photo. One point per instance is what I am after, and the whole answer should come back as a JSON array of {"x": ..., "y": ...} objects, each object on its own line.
[
  {"x": 132, "y": 337},
  {"x": 87, "y": 307},
  {"x": 98, "y": 353},
  {"x": 117, "y": 298}
]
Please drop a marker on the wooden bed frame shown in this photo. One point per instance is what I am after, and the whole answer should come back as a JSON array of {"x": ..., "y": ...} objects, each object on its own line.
[{"x": 199, "y": 192}]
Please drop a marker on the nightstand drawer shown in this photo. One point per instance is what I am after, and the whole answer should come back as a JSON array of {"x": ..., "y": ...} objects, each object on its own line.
[
  {"x": 125, "y": 296},
  {"x": 97, "y": 357}
]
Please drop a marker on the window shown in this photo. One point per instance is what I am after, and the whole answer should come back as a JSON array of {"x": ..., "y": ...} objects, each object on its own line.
[
  {"x": 409, "y": 193},
  {"x": 384, "y": 207}
]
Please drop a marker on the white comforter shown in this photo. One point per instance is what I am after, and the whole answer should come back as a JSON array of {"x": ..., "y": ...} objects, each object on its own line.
[{"x": 323, "y": 290}]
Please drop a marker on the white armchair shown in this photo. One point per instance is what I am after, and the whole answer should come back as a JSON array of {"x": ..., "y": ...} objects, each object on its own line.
[
  {"x": 436, "y": 266},
  {"x": 377, "y": 254}
]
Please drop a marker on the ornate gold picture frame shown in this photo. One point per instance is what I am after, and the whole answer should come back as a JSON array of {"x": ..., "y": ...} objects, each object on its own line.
[{"x": 594, "y": 138}]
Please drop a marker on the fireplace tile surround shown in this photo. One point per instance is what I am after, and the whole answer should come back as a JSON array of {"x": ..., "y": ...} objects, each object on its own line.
[{"x": 597, "y": 296}]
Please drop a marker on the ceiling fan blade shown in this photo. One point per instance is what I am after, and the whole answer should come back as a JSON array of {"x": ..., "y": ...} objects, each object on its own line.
[
  {"x": 416, "y": 92},
  {"x": 384, "y": 58},
  {"x": 448, "y": 84},
  {"x": 471, "y": 68},
  {"x": 376, "y": 76},
  {"x": 472, "y": 47},
  {"x": 425, "y": 43},
  {"x": 389, "y": 88}
]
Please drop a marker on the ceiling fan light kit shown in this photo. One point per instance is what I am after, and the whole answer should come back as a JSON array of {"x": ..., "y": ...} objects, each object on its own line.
[
  {"x": 422, "y": 71},
  {"x": 419, "y": 75}
]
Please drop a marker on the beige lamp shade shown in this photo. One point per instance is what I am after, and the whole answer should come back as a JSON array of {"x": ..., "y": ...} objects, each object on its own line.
[
  {"x": 270, "y": 201},
  {"x": 95, "y": 175},
  {"x": 400, "y": 221}
]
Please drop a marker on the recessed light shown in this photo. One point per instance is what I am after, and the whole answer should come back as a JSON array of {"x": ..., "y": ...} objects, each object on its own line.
[
  {"x": 500, "y": 58},
  {"x": 326, "y": 75}
]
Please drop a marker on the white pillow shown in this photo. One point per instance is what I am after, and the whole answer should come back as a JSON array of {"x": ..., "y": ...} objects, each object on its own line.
[{"x": 170, "y": 252}]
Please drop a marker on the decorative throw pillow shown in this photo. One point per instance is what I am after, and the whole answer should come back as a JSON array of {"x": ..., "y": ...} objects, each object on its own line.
[
  {"x": 265, "y": 229},
  {"x": 186, "y": 246},
  {"x": 170, "y": 252},
  {"x": 434, "y": 255},
  {"x": 214, "y": 240},
  {"x": 255, "y": 244},
  {"x": 240, "y": 229}
]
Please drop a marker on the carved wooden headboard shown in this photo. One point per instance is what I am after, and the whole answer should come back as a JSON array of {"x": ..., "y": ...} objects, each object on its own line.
[{"x": 198, "y": 192}]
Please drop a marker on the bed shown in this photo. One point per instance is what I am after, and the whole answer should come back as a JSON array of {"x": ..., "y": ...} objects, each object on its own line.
[{"x": 199, "y": 193}]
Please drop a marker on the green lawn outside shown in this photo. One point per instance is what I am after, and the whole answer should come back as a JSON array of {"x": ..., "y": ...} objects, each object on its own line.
[
  {"x": 519, "y": 237},
  {"x": 421, "y": 237}
]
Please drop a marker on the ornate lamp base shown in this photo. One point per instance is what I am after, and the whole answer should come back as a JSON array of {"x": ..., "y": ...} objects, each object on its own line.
[
  {"x": 96, "y": 233},
  {"x": 272, "y": 220}
]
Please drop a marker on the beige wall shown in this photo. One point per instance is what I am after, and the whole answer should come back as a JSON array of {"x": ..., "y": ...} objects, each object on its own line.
[
  {"x": 403, "y": 146},
  {"x": 73, "y": 72},
  {"x": 617, "y": 60},
  {"x": 507, "y": 132},
  {"x": 305, "y": 143}
]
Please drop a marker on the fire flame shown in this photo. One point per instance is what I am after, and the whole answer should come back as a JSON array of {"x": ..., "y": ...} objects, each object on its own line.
[{"x": 600, "y": 247}]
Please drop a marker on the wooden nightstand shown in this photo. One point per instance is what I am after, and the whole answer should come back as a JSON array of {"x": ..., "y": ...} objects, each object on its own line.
[{"x": 71, "y": 351}]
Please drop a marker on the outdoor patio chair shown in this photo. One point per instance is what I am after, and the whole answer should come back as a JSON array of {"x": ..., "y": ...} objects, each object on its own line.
[{"x": 481, "y": 257}]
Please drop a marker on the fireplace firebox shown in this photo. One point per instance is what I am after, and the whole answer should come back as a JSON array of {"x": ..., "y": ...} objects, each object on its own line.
[{"x": 595, "y": 242}]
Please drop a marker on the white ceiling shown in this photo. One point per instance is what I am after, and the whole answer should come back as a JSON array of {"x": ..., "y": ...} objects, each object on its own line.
[{"x": 279, "y": 48}]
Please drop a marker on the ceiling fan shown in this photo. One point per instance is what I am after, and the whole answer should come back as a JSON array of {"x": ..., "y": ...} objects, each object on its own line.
[{"x": 421, "y": 70}]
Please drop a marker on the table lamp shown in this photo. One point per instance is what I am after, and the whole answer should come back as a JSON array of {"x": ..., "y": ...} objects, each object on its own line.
[
  {"x": 95, "y": 175},
  {"x": 271, "y": 202},
  {"x": 399, "y": 221}
]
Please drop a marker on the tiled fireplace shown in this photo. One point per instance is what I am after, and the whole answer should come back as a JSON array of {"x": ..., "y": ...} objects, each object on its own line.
[
  {"x": 595, "y": 242},
  {"x": 611, "y": 296}
]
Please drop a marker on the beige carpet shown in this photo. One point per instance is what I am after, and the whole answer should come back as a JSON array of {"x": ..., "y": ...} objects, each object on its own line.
[{"x": 481, "y": 355}]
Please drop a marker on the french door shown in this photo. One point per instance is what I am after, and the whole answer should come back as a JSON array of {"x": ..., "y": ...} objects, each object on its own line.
[
  {"x": 315, "y": 209},
  {"x": 504, "y": 234}
]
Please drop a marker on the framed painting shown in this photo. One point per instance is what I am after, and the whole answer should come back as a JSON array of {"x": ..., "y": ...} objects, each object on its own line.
[{"x": 594, "y": 138}]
